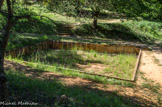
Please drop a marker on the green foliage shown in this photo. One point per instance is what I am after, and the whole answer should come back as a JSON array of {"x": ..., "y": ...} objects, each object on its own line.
[
  {"x": 19, "y": 41},
  {"x": 61, "y": 6},
  {"x": 144, "y": 31},
  {"x": 80, "y": 8},
  {"x": 35, "y": 24},
  {"x": 115, "y": 31},
  {"x": 32, "y": 22},
  {"x": 147, "y": 28},
  {"x": 152, "y": 9},
  {"x": 44, "y": 38},
  {"x": 148, "y": 9},
  {"x": 76, "y": 60},
  {"x": 2, "y": 21}
]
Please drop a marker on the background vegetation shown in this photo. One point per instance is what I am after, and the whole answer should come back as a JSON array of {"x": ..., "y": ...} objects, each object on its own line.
[{"x": 137, "y": 21}]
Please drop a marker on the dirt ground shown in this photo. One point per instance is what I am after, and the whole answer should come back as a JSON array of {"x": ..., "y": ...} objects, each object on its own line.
[
  {"x": 95, "y": 67},
  {"x": 151, "y": 66},
  {"x": 150, "y": 69}
]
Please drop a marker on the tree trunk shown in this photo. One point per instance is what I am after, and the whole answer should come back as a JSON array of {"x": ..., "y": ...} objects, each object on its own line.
[
  {"x": 3, "y": 44},
  {"x": 78, "y": 7},
  {"x": 95, "y": 22},
  {"x": 95, "y": 17},
  {"x": 3, "y": 80}
]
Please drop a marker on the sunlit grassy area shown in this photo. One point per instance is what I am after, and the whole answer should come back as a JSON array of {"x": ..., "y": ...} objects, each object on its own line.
[
  {"x": 121, "y": 65},
  {"x": 45, "y": 23},
  {"x": 56, "y": 16},
  {"x": 105, "y": 33},
  {"x": 148, "y": 29},
  {"x": 71, "y": 73},
  {"x": 137, "y": 31},
  {"x": 75, "y": 77}
]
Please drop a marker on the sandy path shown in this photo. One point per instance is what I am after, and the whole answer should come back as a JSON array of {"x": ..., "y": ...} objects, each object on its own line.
[
  {"x": 111, "y": 21},
  {"x": 151, "y": 66}
]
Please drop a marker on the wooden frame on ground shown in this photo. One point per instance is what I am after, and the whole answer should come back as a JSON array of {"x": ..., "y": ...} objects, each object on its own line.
[{"x": 85, "y": 46}]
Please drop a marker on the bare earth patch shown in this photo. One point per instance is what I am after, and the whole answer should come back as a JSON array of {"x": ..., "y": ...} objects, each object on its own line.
[
  {"x": 95, "y": 67},
  {"x": 150, "y": 67},
  {"x": 111, "y": 21}
]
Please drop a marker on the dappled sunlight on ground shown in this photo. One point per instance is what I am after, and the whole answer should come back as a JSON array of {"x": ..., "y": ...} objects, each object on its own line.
[{"x": 137, "y": 95}]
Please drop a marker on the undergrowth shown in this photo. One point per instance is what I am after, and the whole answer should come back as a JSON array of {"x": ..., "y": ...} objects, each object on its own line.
[{"x": 54, "y": 93}]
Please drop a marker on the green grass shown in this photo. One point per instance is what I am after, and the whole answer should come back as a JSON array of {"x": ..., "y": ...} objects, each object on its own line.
[
  {"x": 114, "y": 65},
  {"x": 121, "y": 65},
  {"x": 105, "y": 33},
  {"x": 19, "y": 41},
  {"x": 138, "y": 31},
  {"x": 56, "y": 16},
  {"x": 150, "y": 84},
  {"x": 49, "y": 92},
  {"x": 153, "y": 86},
  {"x": 54, "y": 93},
  {"x": 157, "y": 61},
  {"x": 34, "y": 24},
  {"x": 72, "y": 73},
  {"x": 141, "y": 31},
  {"x": 152, "y": 30}
]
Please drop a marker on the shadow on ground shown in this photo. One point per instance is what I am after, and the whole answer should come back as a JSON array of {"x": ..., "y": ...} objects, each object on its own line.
[
  {"x": 33, "y": 85},
  {"x": 67, "y": 58},
  {"x": 111, "y": 31}
]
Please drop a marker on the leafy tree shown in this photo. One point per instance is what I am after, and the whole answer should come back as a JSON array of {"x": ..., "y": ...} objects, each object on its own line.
[
  {"x": 3, "y": 44},
  {"x": 152, "y": 10},
  {"x": 147, "y": 9},
  {"x": 95, "y": 8},
  {"x": 81, "y": 8},
  {"x": 12, "y": 17}
]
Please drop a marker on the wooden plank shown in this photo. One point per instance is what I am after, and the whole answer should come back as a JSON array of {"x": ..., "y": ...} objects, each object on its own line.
[
  {"x": 85, "y": 46},
  {"x": 137, "y": 65}
]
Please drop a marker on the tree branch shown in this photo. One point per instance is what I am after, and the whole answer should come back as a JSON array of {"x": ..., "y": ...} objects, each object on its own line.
[
  {"x": 3, "y": 44},
  {"x": 8, "y": 26}
]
